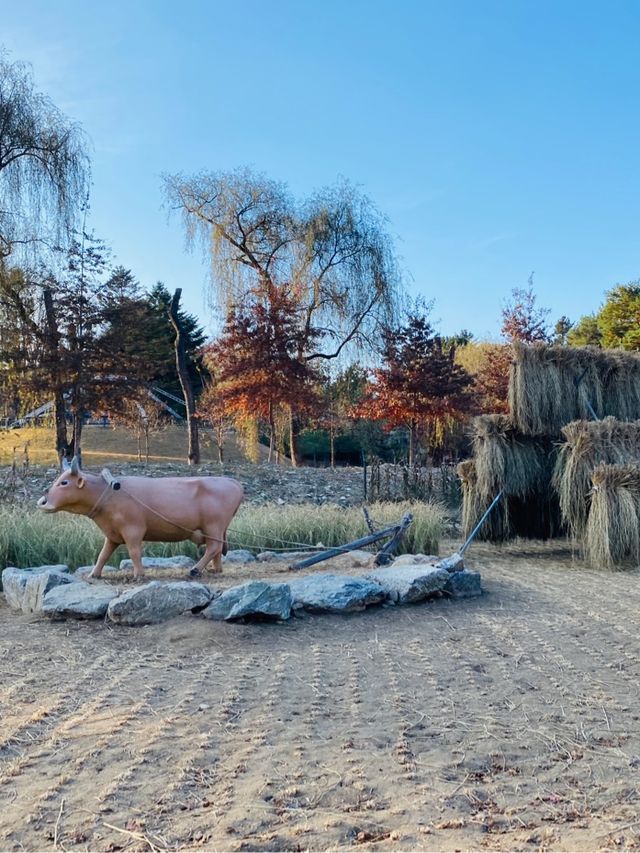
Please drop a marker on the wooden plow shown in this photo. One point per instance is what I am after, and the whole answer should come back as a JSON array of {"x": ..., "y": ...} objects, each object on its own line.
[{"x": 384, "y": 556}]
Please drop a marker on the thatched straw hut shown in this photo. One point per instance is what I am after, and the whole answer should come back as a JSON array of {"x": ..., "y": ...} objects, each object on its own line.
[
  {"x": 550, "y": 386},
  {"x": 519, "y": 466},
  {"x": 613, "y": 527},
  {"x": 588, "y": 444}
]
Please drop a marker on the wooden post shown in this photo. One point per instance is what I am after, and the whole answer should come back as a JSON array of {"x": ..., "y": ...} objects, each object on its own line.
[{"x": 384, "y": 556}]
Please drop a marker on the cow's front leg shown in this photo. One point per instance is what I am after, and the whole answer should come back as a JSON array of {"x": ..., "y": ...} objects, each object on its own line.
[
  {"x": 107, "y": 550},
  {"x": 134, "y": 547}
]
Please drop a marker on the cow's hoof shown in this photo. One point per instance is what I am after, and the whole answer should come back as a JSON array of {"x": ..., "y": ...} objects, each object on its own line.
[{"x": 195, "y": 573}]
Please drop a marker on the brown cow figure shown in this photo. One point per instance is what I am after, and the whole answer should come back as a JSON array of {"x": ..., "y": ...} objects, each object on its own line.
[{"x": 164, "y": 509}]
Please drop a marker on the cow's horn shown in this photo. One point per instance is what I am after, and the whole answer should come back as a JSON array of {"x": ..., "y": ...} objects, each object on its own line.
[
  {"x": 74, "y": 467},
  {"x": 65, "y": 464}
]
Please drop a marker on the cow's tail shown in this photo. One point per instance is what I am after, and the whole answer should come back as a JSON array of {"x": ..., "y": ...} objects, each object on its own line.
[{"x": 225, "y": 546}]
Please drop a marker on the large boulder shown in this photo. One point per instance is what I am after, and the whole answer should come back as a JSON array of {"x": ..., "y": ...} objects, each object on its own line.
[
  {"x": 335, "y": 593},
  {"x": 404, "y": 584},
  {"x": 25, "y": 589},
  {"x": 252, "y": 600},
  {"x": 240, "y": 555},
  {"x": 78, "y": 601},
  {"x": 464, "y": 584},
  {"x": 156, "y": 601}
]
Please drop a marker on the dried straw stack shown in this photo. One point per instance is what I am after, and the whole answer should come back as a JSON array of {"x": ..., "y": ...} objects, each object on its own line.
[
  {"x": 588, "y": 444},
  {"x": 612, "y": 536},
  {"x": 520, "y": 467},
  {"x": 551, "y": 386}
]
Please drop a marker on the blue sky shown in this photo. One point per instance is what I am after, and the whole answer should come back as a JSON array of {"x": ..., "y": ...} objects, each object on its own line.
[{"x": 499, "y": 138}]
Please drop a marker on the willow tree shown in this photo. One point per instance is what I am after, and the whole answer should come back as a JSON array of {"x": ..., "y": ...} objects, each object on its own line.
[
  {"x": 332, "y": 251},
  {"x": 43, "y": 163}
]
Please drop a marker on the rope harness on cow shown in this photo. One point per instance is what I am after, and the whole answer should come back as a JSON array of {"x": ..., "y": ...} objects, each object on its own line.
[{"x": 94, "y": 509}]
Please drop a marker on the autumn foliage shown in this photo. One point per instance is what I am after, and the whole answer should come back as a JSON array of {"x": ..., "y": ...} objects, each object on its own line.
[
  {"x": 257, "y": 367},
  {"x": 419, "y": 386}
]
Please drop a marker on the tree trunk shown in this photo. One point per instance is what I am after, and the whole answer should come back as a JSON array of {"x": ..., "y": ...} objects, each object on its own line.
[
  {"x": 185, "y": 380},
  {"x": 412, "y": 444},
  {"x": 78, "y": 423},
  {"x": 272, "y": 433},
  {"x": 146, "y": 448},
  {"x": 52, "y": 342},
  {"x": 293, "y": 440},
  {"x": 332, "y": 443}
]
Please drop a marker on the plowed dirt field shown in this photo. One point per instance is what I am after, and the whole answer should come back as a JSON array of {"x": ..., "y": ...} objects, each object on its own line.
[{"x": 505, "y": 722}]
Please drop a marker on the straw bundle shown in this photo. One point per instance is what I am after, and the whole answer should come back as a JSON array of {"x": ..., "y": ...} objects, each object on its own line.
[
  {"x": 521, "y": 468},
  {"x": 613, "y": 527},
  {"x": 550, "y": 386},
  {"x": 496, "y": 527},
  {"x": 588, "y": 444},
  {"x": 507, "y": 461}
]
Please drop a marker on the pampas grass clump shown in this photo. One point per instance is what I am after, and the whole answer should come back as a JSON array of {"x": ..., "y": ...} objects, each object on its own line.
[
  {"x": 550, "y": 386},
  {"x": 612, "y": 536},
  {"x": 588, "y": 444}
]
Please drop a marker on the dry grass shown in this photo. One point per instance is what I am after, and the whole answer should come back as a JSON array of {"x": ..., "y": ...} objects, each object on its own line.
[
  {"x": 588, "y": 444},
  {"x": 612, "y": 536},
  {"x": 550, "y": 386}
]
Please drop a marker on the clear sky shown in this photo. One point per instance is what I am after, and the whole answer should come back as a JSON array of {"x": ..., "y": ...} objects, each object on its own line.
[{"x": 500, "y": 138}]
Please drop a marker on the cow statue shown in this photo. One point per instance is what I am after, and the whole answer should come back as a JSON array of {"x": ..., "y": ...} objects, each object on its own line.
[{"x": 132, "y": 510}]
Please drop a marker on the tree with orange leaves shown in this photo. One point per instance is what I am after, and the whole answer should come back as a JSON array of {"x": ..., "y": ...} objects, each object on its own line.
[
  {"x": 256, "y": 363},
  {"x": 419, "y": 386}
]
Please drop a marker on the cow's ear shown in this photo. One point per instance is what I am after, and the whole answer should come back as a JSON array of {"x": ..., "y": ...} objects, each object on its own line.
[{"x": 80, "y": 483}]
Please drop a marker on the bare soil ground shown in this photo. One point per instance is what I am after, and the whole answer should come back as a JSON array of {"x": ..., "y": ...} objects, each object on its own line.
[{"x": 508, "y": 722}]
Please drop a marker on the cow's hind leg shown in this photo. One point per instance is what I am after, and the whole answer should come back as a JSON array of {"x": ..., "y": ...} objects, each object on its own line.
[{"x": 212, "y": 551}]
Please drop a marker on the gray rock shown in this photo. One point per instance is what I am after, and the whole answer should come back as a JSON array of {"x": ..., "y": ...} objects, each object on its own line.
[
  {"x": 360, "y": 558},
  {"x": 240, "y": 555},
  {"x": 25, "y": 589},
  {"x": 405, "y": 584},
  {"x": 335, "y": 593},
  {"x": 267, "y": 557},
  {"x": 415, "y": 560},
  {"x": 257, "y": 599},
  {"x": 78, "y": 601},
  {"x": 156, "y": 601},
  {"x": 174, "y": 564},
  {"x": 463, "y": 584}
]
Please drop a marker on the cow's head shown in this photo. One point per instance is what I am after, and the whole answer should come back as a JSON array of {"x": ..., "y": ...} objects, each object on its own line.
[{"x": 66, "y": 491}]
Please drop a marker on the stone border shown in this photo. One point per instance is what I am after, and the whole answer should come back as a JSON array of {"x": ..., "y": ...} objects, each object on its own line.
[{"x": 55, "y": 592}]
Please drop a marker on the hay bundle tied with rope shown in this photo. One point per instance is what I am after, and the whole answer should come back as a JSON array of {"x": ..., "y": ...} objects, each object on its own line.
[
  {"x": 586, "y": 445},
  {"x": 521, "y": 468},
  {"x": 612, "y": 535},
  {"x": 551, "y": 386}
]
